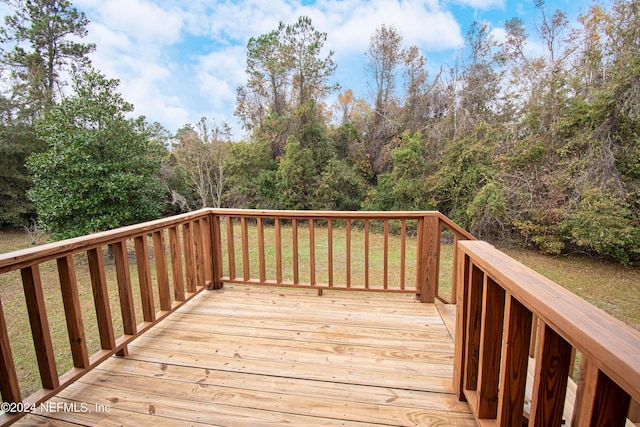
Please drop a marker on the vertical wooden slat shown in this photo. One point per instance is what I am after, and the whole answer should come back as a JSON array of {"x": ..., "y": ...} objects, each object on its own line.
[
  {"x": 101, "y": 298},
  {"x": 429, "y": 261},
  {"x": 162, "y": 272},
  {"x": 599, "y": 400},
  {"x": 460, "y": 342},
  {"x": 348, "y": 254},
  {"x": 330, "y": 250},
  {"x": 534, "y": 337},
  {"x": 454, "y": 272},
  {"x": 189, "y": 256},
  {"x": 474, "y": 323},
  {"x": 73, "y": 314},
  {"x": 312, "y": 253},
  {"x": 553, "y": 357},
  {"x": 207, "y": 252},
  {"x": 216, "y": 257},
  {"x": 403, "y": 253},
  {"x": 34, "y": 297},
  {"x": 515, "y": 357},
  {"x": 419, "y": 251},
  {"x": 176, "y": 264},
  {"x": 246, "y": 270},
  {"x": 278, "y": 251},
  {"x": 294, "y": 233},
  {"x": 366, "y": 254},
  {"x": 261, "y": 262},
  {"x": 200, "y": 256},
  {"x": 9, "y": 386},
  {"x": 386, "y": 255},
  {"x": 231, "y": 251},
  {"x": 144, "y": 277},
  {"x": 493, "y": 301},
  {"x": 125, "y": 291}
]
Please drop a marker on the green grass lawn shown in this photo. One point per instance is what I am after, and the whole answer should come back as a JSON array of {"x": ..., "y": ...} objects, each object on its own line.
[{"x": 614, "y": 288}]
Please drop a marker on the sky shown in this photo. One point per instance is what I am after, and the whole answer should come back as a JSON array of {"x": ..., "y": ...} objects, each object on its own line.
[{"x": 180, "y": 60}]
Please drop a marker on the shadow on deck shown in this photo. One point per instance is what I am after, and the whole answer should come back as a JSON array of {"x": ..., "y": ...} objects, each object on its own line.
[{"x": 273, "y": 356}]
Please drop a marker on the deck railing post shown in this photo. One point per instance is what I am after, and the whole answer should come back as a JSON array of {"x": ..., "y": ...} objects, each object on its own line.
[{"x": 429, "y": 258}]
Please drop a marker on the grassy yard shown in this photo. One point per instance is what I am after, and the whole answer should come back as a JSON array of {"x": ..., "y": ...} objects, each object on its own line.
[{"x": 614, "y": 288}]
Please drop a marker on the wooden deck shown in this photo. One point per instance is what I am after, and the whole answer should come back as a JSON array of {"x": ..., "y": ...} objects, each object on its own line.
[{"x": 253, "y": 356}]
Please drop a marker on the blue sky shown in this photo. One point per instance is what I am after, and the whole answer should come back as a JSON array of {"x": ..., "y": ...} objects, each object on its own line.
[{"x": 179, "y": 60}]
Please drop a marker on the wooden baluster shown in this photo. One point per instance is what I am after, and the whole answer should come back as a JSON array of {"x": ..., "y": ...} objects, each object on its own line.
[
  {"x": 419, "y": 251},
  {"x": 515, "y": 358},
  {"x": 73, "y": 314},
  {"x": 278, "y": 232},
  {"x": 553, "y": 358},
  {"x": 216, "y": 257},
  {"x": 125, "y": 291},
  {"x": 231, "y": 251},
  {"x": 386, "y": 254},
  {"x": 176, "y": 264},
  {"x": 162, "y": 272},
  {"x": 9, "y": 386},
  {"x": 460, "y": 342},
  {"x": 493, "y": 301},
  {"x": 144, "y": 278},
  {"x": 200, "y": 256},
  {"x": 189, "y": 257},
  {"x": 599, "y": 400},
  {"x": 454, "y": 272},
  {"x": 429, "y": 261},
  {"x": 330, "y": 250},
  {"x": 34, "y": 297},
  {"x": 294, "y": 232},
  {"x": 474, "y": 325},
  {"x": 261, "y": 261},
  {"x": 366, "y": 253},
  {"x": 101, "y": 298},
  {"x": 348, "y": 254},
  {"x": 312, "y": 253},
  {"x": 403, "y": 252},
  {"x": 207, "y": 251},
  {"x": 245, "y": 249}
]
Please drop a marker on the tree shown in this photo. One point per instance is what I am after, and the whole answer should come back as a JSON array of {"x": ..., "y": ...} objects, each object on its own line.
[
  {"x": 48, "y": 28},
  {"x": 99, "y": 169},
  {"x": 200, "y": 155},
  {"x": 296, "y": 176}
]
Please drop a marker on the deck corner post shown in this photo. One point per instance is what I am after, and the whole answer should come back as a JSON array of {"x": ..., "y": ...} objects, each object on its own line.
[
  {"x": 216, "y": 253},
  {"x": 429, "y": 259}
]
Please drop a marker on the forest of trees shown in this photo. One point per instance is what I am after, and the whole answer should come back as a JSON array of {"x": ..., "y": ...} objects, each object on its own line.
[{"x": 533, "y": 149}]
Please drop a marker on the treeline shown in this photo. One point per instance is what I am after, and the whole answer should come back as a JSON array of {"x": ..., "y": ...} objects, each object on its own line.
[{"x": 536, "y": 146}]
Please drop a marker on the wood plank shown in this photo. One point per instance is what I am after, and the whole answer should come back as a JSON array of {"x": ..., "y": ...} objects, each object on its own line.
[
  {"x": 385, "y": 262},
  {"x": 216, "y": 241},
  {"x": 40, "y": 333},
  {"x": 348, "y": 252},
  {"x": 231, "y": 248},
  {"x": 9, "y": 386},
  {"x": 550, "y": 379},
  {"x": 330, "y": 251},
  {"x": 429, "y": 262},
  {"x": 101, "y": 299},
  {"x": 312, "y": 253},
  {"x": 278, "y": 236},
  {"x": 294, "y": 236},
  {"x": 162, "y": 271},
  {"x": 474, "y": 325},
  {"x": 261, "y": 260},
  {"x": 493, "y": 302},
  {"x": 246, "y": 268},
  {"x": 463, "y": 267},
  {"x": 176, "y": 264},
  {"x": 201, "y": 257},
  {"x": 515, "y": 356},
  {"x": 73, "y": 314},
  {"x": 144, "y": 276},
  {"x": 125, "y": 291},
  {"x": 403, "y": 252}
]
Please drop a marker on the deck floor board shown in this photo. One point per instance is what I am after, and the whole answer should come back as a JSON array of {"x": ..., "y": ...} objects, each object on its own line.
[{"x": 249, "y": 356}]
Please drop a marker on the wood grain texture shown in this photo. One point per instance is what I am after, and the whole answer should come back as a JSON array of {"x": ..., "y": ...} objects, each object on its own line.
[
  {"x": 176, "y": 264},
  {"x": 101, "y": 298},
  {"x": 144, "y": 277},
  {"x": 162, "y": 270},
  {"x": 344, "y": 359},
  {"x": 72, "y": 312},
  {"x": 9, "y": 387},
  {"x": 474, "y": 327}
]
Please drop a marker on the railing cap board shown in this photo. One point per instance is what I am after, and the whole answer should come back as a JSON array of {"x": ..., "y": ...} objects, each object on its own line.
[
  {"x": 609, "y": 343},
  {"x": 22, "y": 258}
]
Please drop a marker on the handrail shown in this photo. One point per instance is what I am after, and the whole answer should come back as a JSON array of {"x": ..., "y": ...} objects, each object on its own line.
[
  {"x": 498, "y": 298},
  {"x": 191, "y": 252},
  {"x": 185, "y": 240},
  {"x": 428, "y": 224}
]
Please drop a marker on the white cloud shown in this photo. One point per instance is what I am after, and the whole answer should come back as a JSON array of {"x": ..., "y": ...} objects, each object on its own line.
[{"x": 482, "y": 4}]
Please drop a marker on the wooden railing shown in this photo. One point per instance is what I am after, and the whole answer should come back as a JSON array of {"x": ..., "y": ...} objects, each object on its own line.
[
  {"x": 176, "y": 258},
  {"x": 321, "y": 258},
  {"x": 185, "y": 240},
  {"x": 500, "y": 303}
]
